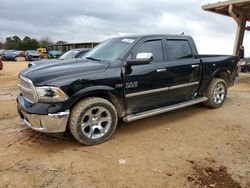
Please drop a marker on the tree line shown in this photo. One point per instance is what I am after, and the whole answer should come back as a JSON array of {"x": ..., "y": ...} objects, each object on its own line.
[{"x": 27, "y": 43}]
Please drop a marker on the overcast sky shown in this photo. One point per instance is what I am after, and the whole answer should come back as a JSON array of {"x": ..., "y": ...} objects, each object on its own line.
[{"x": 97, "y": 20}]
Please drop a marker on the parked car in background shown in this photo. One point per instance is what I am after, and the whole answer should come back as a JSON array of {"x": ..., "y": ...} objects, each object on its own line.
[
  {"x": 1, "y": 64},
  {"x": 1, "y": 51},
  {"x": 20, "y": 53},
  {"x": 245, "y": 65},
  {"x": 8, "y": 55},
  {"x": 71, "y": 54},
  {"x": 32, "y": 55},
  {"x": 54, "y": 54},
  {"x": 74, "y": 53}
]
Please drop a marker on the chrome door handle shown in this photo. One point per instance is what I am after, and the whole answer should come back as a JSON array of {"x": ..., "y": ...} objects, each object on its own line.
[
  {"x": 194, "y": 66},
  {"x": 161, "y": 70}
]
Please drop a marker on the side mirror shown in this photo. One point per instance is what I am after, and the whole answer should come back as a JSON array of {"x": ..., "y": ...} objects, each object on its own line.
[{"x": 141, "y": 59}]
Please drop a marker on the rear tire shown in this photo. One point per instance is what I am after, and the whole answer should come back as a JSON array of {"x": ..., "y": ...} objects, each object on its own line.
[
  {"x": 216, "y": 93},
  {"x": 93, "y": 121}
]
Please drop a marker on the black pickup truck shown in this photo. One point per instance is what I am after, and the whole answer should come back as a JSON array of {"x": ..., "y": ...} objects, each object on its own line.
[{"x": 126, "y": 78}]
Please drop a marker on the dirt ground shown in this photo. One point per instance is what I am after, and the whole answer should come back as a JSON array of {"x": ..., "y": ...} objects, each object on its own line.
[{"x": 191, "y": 147}]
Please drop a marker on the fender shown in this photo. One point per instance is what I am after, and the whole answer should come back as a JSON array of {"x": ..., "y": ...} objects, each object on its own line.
[
  {"x": 112, "y": 93},
  {"x": 219, "y": 73}
]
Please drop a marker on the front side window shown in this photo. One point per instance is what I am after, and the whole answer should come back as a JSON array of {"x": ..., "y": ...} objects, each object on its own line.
[
  {"x": 154, "y": 47},
  {"x": 178, "y": 49}
]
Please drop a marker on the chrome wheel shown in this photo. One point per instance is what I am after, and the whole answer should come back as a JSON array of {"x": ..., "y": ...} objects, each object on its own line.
[
  {"x": 96, "y": 122},
  {"x": 219, "y": 93}
]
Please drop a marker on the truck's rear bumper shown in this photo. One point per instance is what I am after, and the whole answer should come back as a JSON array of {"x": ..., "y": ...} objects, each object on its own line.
[
  {"x": 1, "y": 64},
  {"x": 236, "y": 80},
  {"x": 48, "y": 123}
]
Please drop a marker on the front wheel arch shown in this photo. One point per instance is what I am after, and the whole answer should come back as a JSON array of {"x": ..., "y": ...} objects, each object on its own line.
[
  {"x": 107, "y": 94},
  {"x": 85, "y": 108}
]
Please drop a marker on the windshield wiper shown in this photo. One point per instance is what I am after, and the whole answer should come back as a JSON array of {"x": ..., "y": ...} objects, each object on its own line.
[{"x": 91, "y": 58}]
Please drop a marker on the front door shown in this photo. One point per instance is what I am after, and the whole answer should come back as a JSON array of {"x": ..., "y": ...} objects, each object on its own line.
[{"x": 146, "y": 85}]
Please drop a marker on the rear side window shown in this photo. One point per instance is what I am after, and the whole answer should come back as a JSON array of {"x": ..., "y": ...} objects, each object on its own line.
[
  {"x": 178, "y": 49},
  {"x": 154, "y": 47}
]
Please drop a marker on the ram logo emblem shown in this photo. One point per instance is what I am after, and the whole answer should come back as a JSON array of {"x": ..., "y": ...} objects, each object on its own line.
[{"x": 130, "y": 85}]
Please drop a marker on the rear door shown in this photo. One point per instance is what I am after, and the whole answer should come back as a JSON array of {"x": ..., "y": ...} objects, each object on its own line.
[{"x": 185, "y": 70}]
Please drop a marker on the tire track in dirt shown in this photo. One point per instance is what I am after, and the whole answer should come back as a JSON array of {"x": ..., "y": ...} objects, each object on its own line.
[{"x": 8, "y": 93}]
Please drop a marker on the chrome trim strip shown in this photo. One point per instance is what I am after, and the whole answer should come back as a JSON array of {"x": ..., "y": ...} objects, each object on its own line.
[
  {"x": 60, "y": 114},
  {"x": 32, "y": 102},
  {"x": 149, "y": 113},
  {"x": 161, "y": 89},
  {"x": 147, "y": 92},
  {"x": 161, "y": 70},
  {"x": 24, "y": 88},
  {"x": 183, "y": 85},
  {"x": 26, "y": 79},
  {"x": 194, "y": 66}
]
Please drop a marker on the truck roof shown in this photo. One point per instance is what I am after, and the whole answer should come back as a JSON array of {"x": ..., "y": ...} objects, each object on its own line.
[{"x": 158, "y": 35}]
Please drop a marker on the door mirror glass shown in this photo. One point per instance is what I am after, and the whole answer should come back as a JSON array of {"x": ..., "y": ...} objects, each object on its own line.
[
  {"x": 141, "y": 59},
  {"x": 144, "y": 56}
]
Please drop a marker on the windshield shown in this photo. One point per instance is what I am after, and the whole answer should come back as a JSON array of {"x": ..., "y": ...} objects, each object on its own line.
[
  {"x": 109, "y": 50},
  {"x": 69, "y": 54}
]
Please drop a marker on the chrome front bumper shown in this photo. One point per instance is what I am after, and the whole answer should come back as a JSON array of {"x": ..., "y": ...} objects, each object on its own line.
[{"x": 51, "y": 123}]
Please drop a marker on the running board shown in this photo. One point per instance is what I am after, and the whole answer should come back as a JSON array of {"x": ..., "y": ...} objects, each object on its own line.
[{"x": 149, "y": 113}]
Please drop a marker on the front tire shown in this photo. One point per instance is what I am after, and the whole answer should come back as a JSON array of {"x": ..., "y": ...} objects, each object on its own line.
[
  {"x": 93, "y": 121},
  {"x": 216, "y": 93}
]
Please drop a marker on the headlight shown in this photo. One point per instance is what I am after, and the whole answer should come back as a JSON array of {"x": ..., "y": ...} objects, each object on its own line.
[{"x": 49, "y": 94}]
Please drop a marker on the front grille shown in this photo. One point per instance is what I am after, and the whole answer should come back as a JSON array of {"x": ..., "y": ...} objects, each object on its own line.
[
  {"x": 27, "y": 89},
  {"x": 25, "y": 84}
]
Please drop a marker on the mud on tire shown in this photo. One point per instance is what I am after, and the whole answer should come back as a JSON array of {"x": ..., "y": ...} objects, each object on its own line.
[
  {"x": 216, "y": 93},
  {"x": 93, "y": 121}
]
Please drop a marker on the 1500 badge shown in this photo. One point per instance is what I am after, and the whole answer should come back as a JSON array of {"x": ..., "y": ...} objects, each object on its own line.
[{"x": 131, "y": 85}]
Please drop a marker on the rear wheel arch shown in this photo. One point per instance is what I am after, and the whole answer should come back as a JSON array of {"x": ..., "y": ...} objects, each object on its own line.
[
  {"x": 222, "y": 74},
  {"x": 216, "y": 93}
]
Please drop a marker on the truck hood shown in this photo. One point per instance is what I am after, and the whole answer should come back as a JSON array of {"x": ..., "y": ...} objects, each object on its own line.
[
  {"x": 43, "y": 61},
  {"x": 58, "y": 73}
]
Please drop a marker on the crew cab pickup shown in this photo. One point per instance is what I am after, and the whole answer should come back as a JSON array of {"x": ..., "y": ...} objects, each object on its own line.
[
  {"x": 126, "y": 78},
  {"x": 1, "y": 64}
]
